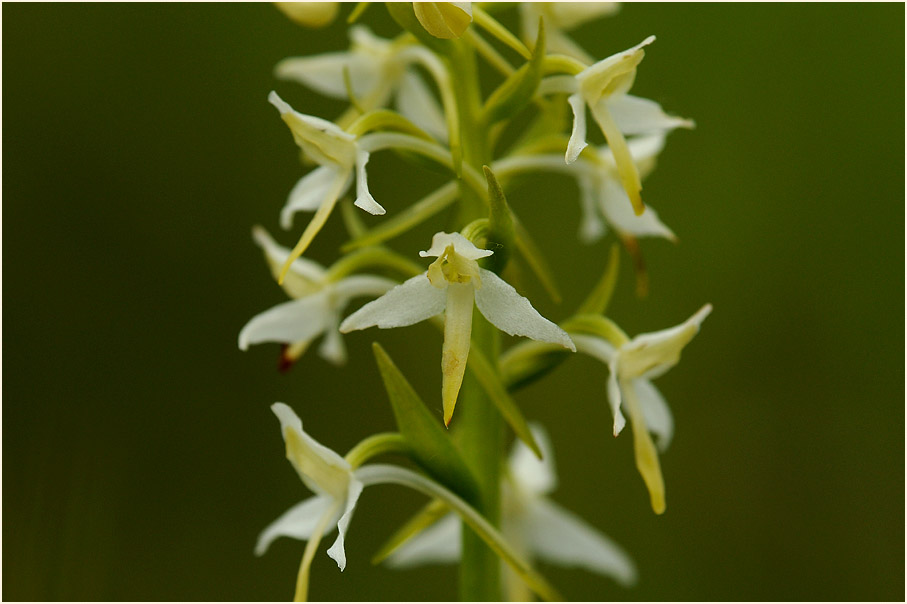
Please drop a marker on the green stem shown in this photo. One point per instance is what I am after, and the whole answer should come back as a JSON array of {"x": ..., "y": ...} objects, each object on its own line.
[{"x": 477, "y": 426}]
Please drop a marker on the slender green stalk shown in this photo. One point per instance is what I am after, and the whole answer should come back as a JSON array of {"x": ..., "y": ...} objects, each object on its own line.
[{"x": 478, "y": 427}]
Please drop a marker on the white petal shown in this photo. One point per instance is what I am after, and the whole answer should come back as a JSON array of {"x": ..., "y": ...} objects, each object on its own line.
[
  {"x": 533, "y": 475},
  {"x": 332, "y": 348},
  {"x": 361, "y": 285},
  {"x": 312, "y": 190},
  {"x": 618, "y": 210},
  {"x": 655, "y": 410},
  {"x": 364, "y": 198},
  {"x": 323, "y": 141},
  {"x": 462, "y": 246},
  {"x": 650, "y": 355},
  {"x": 298, "y": 522},
  {"x": 615, "y": 399},
  {"x": 320, "y": 468},
  {"x": 324, "y": 72},
  {"x": 636, "y": 115},
  {"x": 591, "y": 227},
  {"x": 305, "y": 276},
  {"x": 414, "y": 300},
  {"x": 336, "y": 551},
  {"x": 289, "y": 322},
  {"x": 513, "y": 314},
  {"x": 438, "y": 544},
  {"x": 417, "y": 103},
  {"x": 577, "y": 141},
  {"x": 560, "y": 537}
]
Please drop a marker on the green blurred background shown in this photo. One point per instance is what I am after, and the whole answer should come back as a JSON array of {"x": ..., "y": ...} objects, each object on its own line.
[{"x": 140, "y": 459}]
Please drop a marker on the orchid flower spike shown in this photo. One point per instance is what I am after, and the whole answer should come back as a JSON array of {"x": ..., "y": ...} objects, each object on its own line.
[
  {"x": 378, "y": 70},
  {"x": 542, "y": 529},
  {"x": 336, "y": 489},
  {"x": 315, "y": 309},
  {"x": 603, "y": 87},
  {"x": 632, "y": 364},
  {"x": 452, "y": 284}
]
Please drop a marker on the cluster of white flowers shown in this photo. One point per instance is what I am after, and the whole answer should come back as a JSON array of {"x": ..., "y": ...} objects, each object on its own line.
[{"x": 393, "y": 106}]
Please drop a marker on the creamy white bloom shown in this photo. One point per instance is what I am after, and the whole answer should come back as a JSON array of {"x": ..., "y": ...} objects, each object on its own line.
[
  {"x": 336, "y": 490},
  {"x": 603, "y": 88},
  {"x": 538, "y": 527},
  {"x": 452, "y": 284},
  {"x": 379, "y": 70},
  {"x": 316, "y": 308},
  {"x": 602, "y": 198},
  {"x": 632, "y": 365},
  {"x": 559, "y": 18}
]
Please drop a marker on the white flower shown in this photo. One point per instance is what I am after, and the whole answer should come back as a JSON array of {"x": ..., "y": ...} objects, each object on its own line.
[
  {"x": 337, "y": 154},
  {"x": 603, "y": 88},
  {"x": 560, "y": 17},
  {"x": 446, "y": 20},
  {"x": 378, "y": 70},
  {"x": 631, "y": 366},
  {"x": 315, "y": 309},
  {"x": 601, "y": 193},
  {"x": 452, "y": 284},
  {"x": 336, "y": 490},
  {"x": 535, "y": 525}
]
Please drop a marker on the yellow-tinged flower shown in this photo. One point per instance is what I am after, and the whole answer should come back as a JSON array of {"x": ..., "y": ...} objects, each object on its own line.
[
  {"x": 310, "y": 14},
  {"x": 452, "y": 284},
  {"x": 446, "y": 20},
  {"x": 603, "y": 88},
  {"x": 632, "y": 364}
]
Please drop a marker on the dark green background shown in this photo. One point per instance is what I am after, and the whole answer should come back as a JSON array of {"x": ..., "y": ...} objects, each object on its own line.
[{"x": 140, "y": 459}]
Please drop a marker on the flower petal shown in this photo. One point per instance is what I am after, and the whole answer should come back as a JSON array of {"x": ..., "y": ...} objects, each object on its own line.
[
  {"x": 615, "y": 399},
  {"x": 290, "y": 322},
  {"x": 533, "y": 475},
  {"x": 560, "y": 537},
  {"x": 414, "y": 300},
  {"x": 602, "y": 350},
  {"x": 616, "y": 207},
  {"x": 462, "y": 246},
  {"x": 455, "y": 350},
  {"x": 438, "y": 544},
  {"x": 626, "y": 167},
  {"x": 649, "y": 355},
  {"x": 298, "y": 522},
  {"x": 577, "y": 141},
  {"x": 646, "y": 455},
  {"x": 332, "y": 348},
  {"x": 513, "y": 314},
  {"x": 636, "y": 115},
  {"x": 312, "y": 191},
  {"x": 336, "y": 551},
  {"x": 364, "y": 198},
  {"x": 361, "y": 285},
  {"x": 417, "y": 103},
  {"x": 591, "y": 227},
  {"x": 655, "y": 409},
  {"x": 323, "y": 141},
  {"x": 324, "y": 72},
  {"x": 305, "y": 276},
  {"x": 321, "y": 469}
]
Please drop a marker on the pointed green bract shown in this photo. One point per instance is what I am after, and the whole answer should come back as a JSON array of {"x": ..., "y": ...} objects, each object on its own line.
[
  {"x": 600, "y": 296},
  {"x": 500, "y": 225},
  {"x": 517, "y": 90},
  {"x": 430, "y": 444}
]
